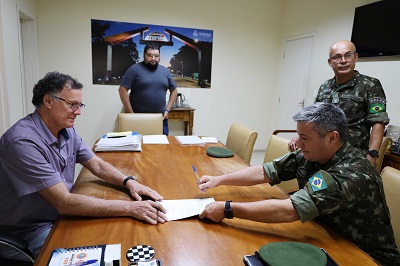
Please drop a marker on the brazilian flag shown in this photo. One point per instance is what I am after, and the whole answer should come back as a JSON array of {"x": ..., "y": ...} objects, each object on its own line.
[
  {"x": 317, "y": 182},
  {"x": 376, "y": 108}
]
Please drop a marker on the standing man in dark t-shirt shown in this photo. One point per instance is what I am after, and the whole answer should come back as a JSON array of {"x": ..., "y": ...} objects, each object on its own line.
[{"x": 148, "y": 83}]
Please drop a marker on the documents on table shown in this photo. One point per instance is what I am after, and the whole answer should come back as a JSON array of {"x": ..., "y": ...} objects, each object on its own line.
[
  {"x": 119, "y": 134},
  {"x": 112, "y": 254},
  {"x": 155, "y": 139},
  {"x": 184, "y": 208},
  {"x": 209, "y": 139},
  {"x": 128, "y": 143},
  {"x": 187, "y": 140},
  {"x": 107, "y": 255}
]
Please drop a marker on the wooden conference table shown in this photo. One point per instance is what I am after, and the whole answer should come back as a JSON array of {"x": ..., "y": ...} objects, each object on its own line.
[{"x": 192, "y": 241}]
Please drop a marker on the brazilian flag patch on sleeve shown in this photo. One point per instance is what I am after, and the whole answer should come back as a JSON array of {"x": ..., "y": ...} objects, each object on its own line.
[
  {"x": 317, "y": 182},
  {"x": 376, "y": 108}
]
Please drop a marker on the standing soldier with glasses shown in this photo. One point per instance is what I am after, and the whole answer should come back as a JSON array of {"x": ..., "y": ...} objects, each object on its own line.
[{"x": 360, "y": 97}]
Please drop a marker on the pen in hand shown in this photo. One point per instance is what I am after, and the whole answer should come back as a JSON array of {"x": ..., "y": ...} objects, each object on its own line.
[{"x": 195, "y": 172}]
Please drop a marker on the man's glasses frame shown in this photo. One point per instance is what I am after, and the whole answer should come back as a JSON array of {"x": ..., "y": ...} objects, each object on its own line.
[
  {"x": 152, "y": 55},
  {"x": 72, "y": 105},
  {"x": 347, "y": 57}
]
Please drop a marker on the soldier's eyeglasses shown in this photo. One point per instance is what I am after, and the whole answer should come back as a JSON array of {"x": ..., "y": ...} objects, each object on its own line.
[{"x": 346, "y": 57}]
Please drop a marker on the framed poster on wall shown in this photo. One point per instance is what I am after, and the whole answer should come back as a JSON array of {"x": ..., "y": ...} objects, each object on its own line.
[{"x": 186, "y": 52}]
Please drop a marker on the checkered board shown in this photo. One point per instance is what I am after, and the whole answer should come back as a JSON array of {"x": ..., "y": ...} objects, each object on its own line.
[{"x": 140, "y": 253}]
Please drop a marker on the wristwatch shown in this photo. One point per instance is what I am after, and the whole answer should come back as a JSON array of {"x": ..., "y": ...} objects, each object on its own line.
[
  {"x": 131, "y": 177},
  {"x": 228, "y": 210},
  {"x": 373, "y": 153}
]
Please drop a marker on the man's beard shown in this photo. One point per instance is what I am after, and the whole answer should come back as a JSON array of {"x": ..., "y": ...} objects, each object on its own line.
[{"x": 151, "y": 66}]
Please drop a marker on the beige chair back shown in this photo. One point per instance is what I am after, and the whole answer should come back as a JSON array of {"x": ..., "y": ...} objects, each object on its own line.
[
  {"x": 382, "y": 152},
  {"x": 277, "y": 147},
  {"x": 391, "y": 185},
  {"x": 241, "y": 141},
  {"x": 143, "y": 123}
]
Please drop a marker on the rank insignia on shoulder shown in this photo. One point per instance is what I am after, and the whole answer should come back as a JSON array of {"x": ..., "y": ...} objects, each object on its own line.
[{"x": 317, "y": 182}]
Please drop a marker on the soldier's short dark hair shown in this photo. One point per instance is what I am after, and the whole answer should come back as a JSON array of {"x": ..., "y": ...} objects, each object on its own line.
[
  {"x": 53, "y": 83},
  {"x": 325, "y": 118}
]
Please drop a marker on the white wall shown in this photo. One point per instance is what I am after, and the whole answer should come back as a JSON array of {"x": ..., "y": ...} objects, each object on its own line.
[
  {"x": 333, "y": 21},
  {"x": 243, "y": 74},
  {"x": 4, "y": 116},
  {"x": 247, "y": 52},
  {"x": 10, "y": 64}
]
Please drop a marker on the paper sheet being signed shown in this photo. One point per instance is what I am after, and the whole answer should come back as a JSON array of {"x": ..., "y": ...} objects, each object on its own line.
[{"x": 184, "y": 208}]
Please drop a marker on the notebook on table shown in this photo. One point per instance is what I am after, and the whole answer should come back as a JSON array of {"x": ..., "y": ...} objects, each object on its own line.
[{"x": 96, "y": 255}]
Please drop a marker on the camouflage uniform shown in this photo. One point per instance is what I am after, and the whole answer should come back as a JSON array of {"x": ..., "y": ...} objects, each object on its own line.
[
  {"x": 347, "y": 193},
  {"x": 363, "y": 101}
]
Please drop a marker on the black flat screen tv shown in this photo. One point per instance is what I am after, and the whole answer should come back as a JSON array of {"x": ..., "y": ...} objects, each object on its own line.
[{"x": 376, "y": 29}]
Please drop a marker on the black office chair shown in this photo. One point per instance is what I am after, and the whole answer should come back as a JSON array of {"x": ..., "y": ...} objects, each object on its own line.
[{"x": 18, "y": 244}]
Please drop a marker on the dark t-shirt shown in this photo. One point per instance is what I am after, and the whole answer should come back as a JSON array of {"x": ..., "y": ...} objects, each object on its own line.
[{"x": 148, "y": 87}]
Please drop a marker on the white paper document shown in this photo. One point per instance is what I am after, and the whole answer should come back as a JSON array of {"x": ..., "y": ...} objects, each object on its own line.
[
  {"x": 112, "y": 254},
  {"x": 155, "y": 139},
  {"x": 118, "y": 134},
  {"x": 209, "y": 139},
  {"x": 184, "y": 208},
  {"x": 129, "y": 143},
  {"x": 187, "y": 140}
]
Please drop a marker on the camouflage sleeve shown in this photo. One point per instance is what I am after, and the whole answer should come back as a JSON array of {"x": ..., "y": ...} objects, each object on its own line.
[
  {"x": 321, "y": 88},
  {"x": 281, "y": 169},
  {"x": 318, "y": 196},
  {"x": 304, "y": 206},
  {"x": 376, "y": 103},
  {"x": 271, "y": 172}
]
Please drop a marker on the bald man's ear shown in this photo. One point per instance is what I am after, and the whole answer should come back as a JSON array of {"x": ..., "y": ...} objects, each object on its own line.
[{"x": 356, "y": 57}]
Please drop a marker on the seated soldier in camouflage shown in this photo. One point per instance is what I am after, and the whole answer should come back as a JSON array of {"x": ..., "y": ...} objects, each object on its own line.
[{"x": 337, "y": 183}]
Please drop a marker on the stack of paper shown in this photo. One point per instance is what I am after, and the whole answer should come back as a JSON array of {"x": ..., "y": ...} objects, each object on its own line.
[
  {"x": 155, "y": 139},
  {"x": 119, "y": 134},
  {"x": 190, "y": 140},
  {"x": 128, "y": 143},
  {"x": 209, "y": 139}
]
